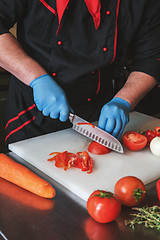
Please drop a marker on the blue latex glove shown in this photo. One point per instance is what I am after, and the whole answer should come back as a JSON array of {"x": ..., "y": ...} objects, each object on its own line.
[
  {"x": 114, "y": 116},
  {"x": 50, "y": 98}
]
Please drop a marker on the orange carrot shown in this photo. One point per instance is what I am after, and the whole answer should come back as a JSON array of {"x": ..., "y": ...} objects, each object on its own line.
[
  {"x": 25, "y": 178},
  {"x": 21, "y": 196}
]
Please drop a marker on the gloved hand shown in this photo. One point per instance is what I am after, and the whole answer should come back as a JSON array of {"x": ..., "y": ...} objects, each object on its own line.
[
  {"x": 50, "y": 98},
  {"x": 114, "y": 116}
]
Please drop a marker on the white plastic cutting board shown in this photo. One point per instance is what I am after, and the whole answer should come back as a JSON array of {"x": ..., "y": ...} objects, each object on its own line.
[{"x": 107, "y": 168}]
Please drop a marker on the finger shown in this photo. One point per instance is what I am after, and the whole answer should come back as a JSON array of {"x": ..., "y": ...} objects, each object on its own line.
[
  {"x": 64, "y": 113},
  {"x": 102, "y": 121},
  {"x": 46, "y": 111},
  {"x": 54, "y": 115},
  {"x": 120, "y": 133},
  {"x": 63, "y": 117},
  {"x": 118, "y": 127},
  {"x": 39, "y": 106},
  {"x": 110, "y": 125},
  {"x": 125, "y": 120}
]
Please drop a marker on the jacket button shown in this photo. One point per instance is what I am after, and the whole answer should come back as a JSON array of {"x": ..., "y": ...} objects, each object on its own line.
[
  {"x": 59, "y": 43},
  {"x": 104, "y": 49},
  {"x": 108, "y": 12}
]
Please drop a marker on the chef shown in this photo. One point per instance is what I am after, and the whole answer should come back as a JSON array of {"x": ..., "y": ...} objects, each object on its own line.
[{"x": 65, "y": 56}]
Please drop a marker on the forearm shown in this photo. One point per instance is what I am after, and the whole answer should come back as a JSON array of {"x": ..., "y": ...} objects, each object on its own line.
[
  {"x": 16, "y": 61},
  {"x": 136, "y": 87}
]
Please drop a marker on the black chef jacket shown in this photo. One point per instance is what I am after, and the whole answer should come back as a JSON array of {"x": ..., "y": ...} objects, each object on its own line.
[{"x": 79, "y": 56}]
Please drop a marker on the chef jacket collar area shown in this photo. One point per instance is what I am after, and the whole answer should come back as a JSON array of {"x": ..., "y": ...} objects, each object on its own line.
[{"x": 94, "y": 7}]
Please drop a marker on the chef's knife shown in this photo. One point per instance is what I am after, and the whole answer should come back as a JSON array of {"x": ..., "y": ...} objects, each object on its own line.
[{"x": 96, "y": 134}]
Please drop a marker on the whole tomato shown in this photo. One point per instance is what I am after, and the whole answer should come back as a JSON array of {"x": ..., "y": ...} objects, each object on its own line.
[
  {"x": 134, "y": 141},
  {"x": 103, "y": 206},
  {"x": 130, "y": 191},
  {"x": 97, "y": 148},
  {"x": 150, "y": 134},
  {"x": 157, "y": 130}
]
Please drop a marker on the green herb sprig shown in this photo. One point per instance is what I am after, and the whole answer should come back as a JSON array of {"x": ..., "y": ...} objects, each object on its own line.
[{"x": 149, "y": 216}]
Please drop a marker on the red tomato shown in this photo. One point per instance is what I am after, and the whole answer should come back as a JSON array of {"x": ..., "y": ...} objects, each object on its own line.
[
  {"x": 150, "y": 135},
  {"x": 103, "y": 206},
  {"x": 157, "y": 130},
  {"x": 134, "y": 141},
  {"x": 130, "y": 191},
  {"x": 98, "y": 149}
]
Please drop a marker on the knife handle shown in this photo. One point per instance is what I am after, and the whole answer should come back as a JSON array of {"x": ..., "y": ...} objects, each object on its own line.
[{"x": 71, "y": 117}]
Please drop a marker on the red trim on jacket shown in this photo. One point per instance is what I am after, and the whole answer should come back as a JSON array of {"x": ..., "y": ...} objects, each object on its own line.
[
  {"x": 49, "y": 7},
  {"x": 99, "y": 81},
  {"x": 15, "y": 118},
  {"x": 20, "y": 127},
  {"x": 19, "y": 114},
  {"x": 115, "y": 39},
  {"x": 61, "y": 6},
  {"x": 59, "y": 28},
  {"x": 94, "y": 7}
]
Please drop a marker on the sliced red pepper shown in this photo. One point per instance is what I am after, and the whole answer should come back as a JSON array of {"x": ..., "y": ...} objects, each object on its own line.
[
  {"x": 84, "y": 161},
  {"x": 53, "y": 153},
  {"x": 83, "y": 123},
  {"x": 63, "y": 159},
  {"x": 84, "y": 156},
  {"x": 67, "y": 160}
]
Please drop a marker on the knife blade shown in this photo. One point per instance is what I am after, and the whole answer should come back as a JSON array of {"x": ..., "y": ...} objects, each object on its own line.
[{"x": 96, "y": 134}]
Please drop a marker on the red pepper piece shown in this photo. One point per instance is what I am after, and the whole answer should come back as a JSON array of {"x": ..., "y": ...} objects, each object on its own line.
[
  {"x": 53, "y": 153},
  {"x": 63, "y": 159},
  {"x": 67, "y": 160},
  {"x": 84, "y": 161},
  {"x": 86, "y": 124}
]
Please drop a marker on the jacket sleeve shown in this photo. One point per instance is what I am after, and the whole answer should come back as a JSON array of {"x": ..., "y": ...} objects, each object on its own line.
[
  {"x": 10, "y": 12},
  {"x": 146, "y": 44}
]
